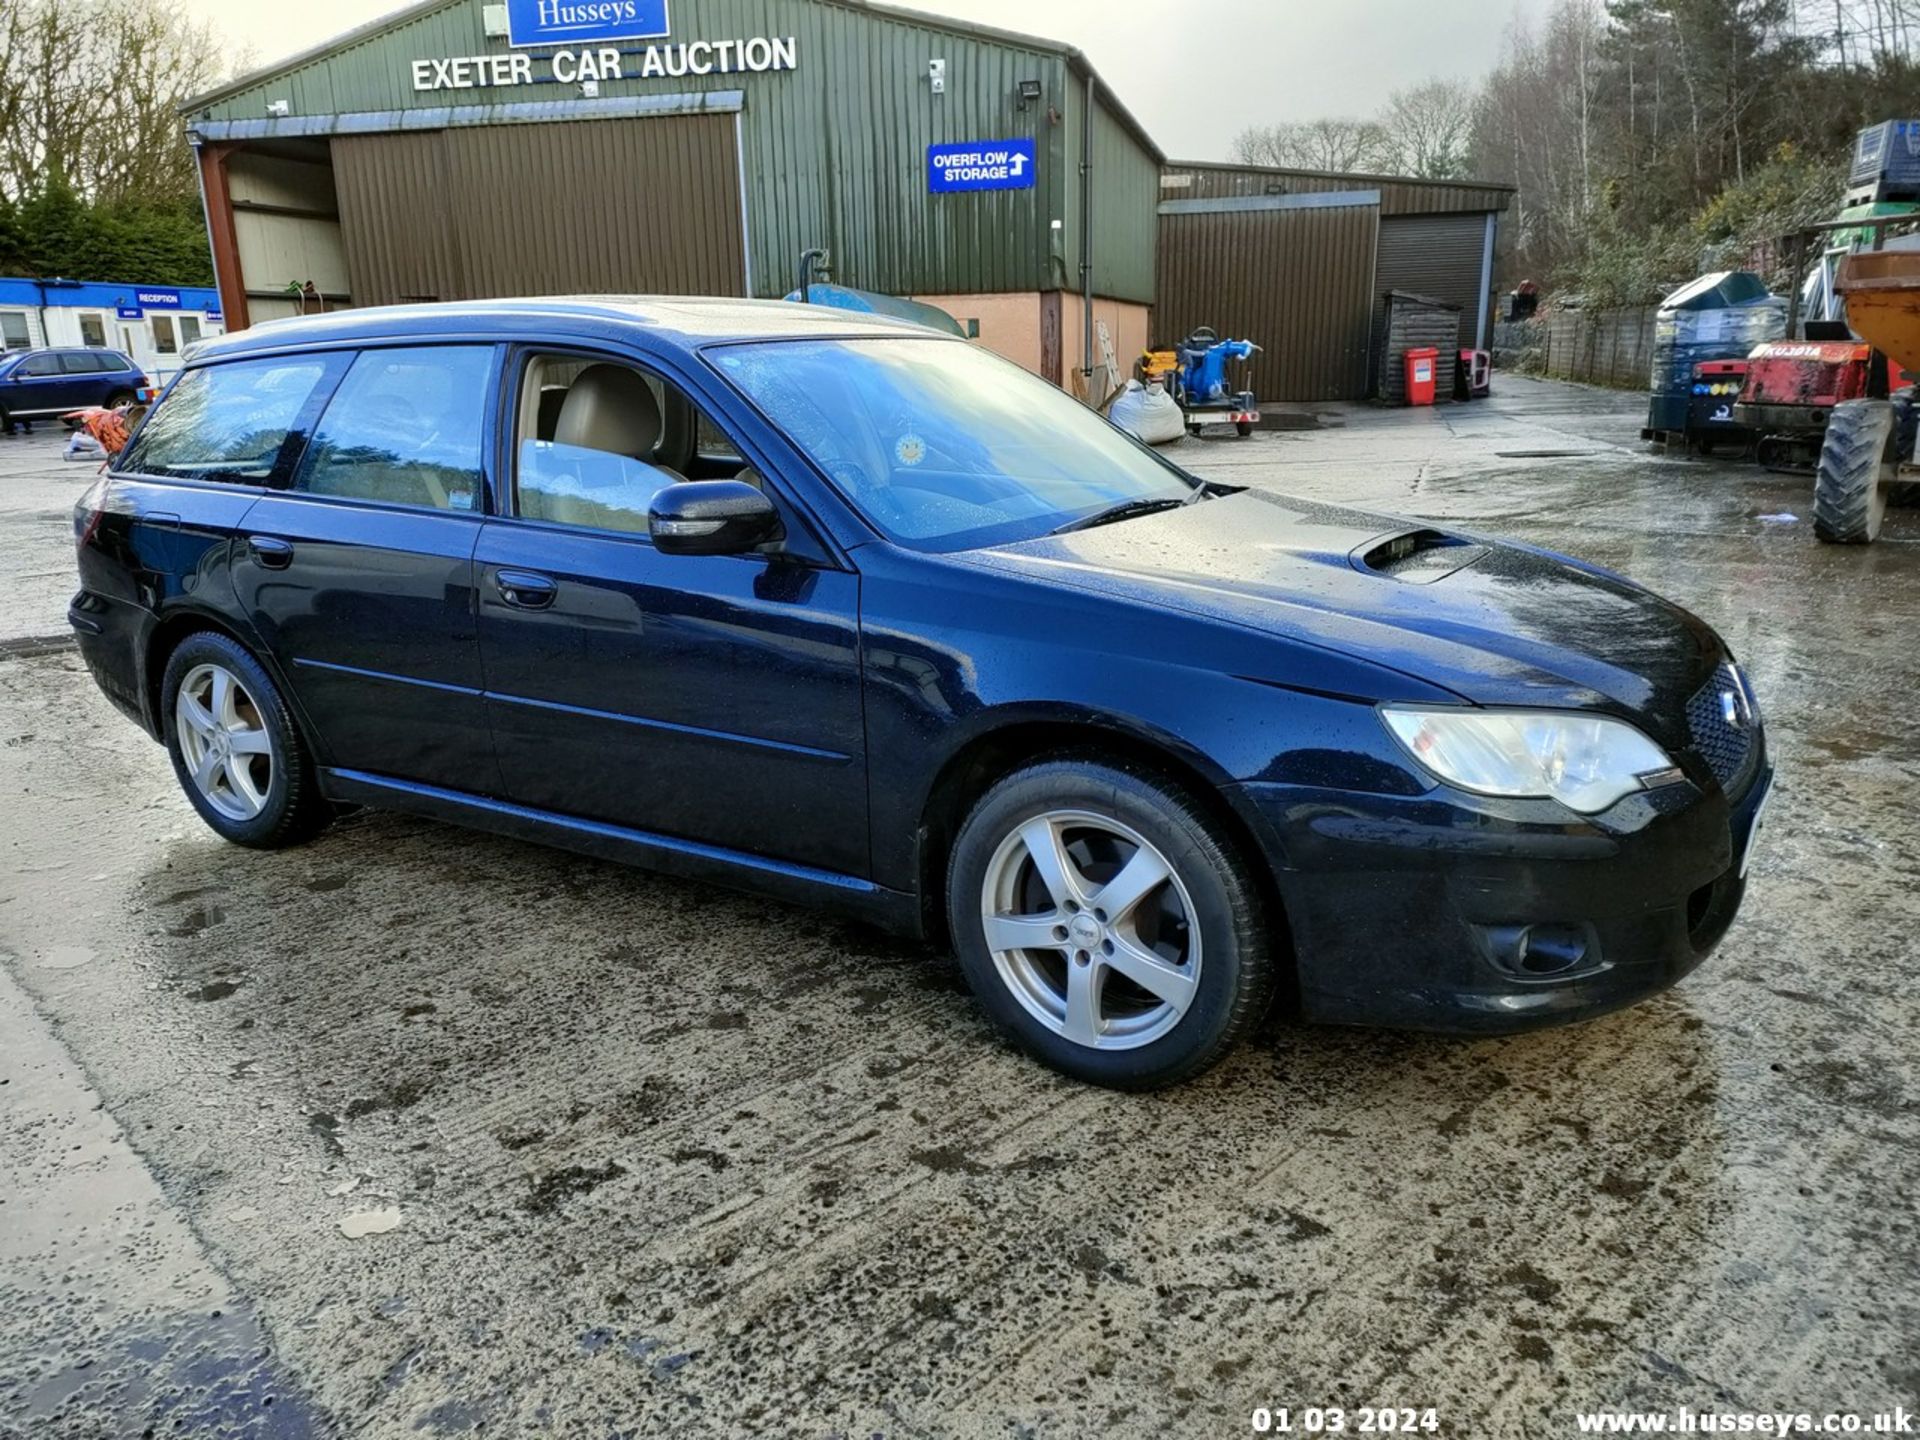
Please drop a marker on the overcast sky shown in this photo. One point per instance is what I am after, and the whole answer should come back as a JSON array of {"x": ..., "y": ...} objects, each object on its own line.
[{"x": 1195, "y": 74}]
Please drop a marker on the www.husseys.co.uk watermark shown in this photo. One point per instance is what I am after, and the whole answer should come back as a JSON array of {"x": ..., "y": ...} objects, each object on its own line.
[{"x": 1744, "y": 1422}]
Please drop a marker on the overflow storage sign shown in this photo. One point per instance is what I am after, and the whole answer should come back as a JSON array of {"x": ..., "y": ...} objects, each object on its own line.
[{"x": 981, "y": 165}]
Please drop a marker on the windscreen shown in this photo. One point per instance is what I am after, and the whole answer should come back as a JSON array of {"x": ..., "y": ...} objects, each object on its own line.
[{"x": 942, "y": 445}]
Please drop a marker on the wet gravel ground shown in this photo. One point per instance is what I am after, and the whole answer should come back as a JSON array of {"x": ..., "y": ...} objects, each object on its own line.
[{"x": 630, "y": 1156}]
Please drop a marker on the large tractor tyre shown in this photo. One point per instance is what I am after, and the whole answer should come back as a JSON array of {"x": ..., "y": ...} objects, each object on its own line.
[
  {"x": 1849, "y": 490},
  {"x": 1905, "y": 494}
]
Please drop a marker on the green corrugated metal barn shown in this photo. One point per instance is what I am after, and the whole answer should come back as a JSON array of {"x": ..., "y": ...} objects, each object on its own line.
[{"x": 459, "y": 149}]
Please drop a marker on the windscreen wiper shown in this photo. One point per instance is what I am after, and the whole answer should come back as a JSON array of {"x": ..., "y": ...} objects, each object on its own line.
[{"x": 1126, "y": 510}]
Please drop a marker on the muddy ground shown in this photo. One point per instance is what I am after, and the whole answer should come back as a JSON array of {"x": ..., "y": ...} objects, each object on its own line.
[{"x": 665, "y": 1160}]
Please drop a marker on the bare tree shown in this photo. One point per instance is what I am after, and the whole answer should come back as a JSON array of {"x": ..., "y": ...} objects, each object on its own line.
[
  {"x": 1429, "y": 129},
  {"x": 1334, "y": 143},
  {"x": 89, "y": 96}
]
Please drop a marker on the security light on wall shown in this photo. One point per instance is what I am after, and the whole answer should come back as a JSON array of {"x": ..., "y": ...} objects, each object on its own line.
[
  {"x": 493, "y": 21},
  {"x": 937, "y": 76},
  {"x": 279, "y": 108},
  {"x": 1029, "y": 92}
]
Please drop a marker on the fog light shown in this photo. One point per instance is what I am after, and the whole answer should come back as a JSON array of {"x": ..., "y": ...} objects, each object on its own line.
[
  {"x": 1540, "y": 952},
  {"x": 1552, "y": 949}
]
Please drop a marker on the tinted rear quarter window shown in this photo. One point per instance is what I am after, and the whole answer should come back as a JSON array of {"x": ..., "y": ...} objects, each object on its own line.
[
  {"x": 406, "y": 427},
  {"x": 228, "y": 422}
]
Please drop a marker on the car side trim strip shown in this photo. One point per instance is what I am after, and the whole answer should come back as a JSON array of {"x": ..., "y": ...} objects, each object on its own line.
[
  {"x": 788, "y": 747},
  {"x": 729, "y": 736},
  {"x": 460, "y": 800},
  {"x": 305, "y": 664}
]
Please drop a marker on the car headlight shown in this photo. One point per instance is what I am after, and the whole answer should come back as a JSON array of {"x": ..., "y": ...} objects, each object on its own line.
[{"x": 1586, "y": 762}]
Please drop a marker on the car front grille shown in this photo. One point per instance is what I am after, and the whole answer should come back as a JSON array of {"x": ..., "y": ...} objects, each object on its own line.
[{"x": 1730, "y": 749}]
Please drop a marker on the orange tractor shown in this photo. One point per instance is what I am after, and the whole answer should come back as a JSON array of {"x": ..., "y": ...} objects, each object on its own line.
[
  {"x": 1819, "y": 402},
  {"x": 1869, "y": 446}
]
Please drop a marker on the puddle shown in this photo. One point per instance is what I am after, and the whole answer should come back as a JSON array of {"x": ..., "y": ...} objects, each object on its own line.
[{"x": 211, "y": 1376}]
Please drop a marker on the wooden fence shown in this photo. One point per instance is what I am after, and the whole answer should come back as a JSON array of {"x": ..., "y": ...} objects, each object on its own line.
[{"x": 1594, "y": 347}]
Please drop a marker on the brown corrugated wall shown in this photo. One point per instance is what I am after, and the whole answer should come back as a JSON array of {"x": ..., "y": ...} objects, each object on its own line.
[
  {"x": 568, "y": 207},
  {"x": 1297, "y": 282}
]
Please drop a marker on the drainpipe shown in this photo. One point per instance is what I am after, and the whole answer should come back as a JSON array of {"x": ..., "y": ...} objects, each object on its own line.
[{"x": 1086, "y": 243}]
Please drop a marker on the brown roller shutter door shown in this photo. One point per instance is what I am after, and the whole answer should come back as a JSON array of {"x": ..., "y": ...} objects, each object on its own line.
[
  {"x": 1436, "y": 255},
  {"x": 561, "y": 208},
  {"x": 1298, "y": 282}
]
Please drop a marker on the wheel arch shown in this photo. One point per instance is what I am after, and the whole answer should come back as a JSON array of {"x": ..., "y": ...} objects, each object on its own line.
[
  {"x": 1016, "y": 739},
  {"x": 173, "y": 628}
]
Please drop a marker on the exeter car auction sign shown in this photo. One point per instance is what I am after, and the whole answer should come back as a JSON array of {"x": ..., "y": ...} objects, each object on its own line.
[
  {"x": 981, "y": 165},
  {"x": 588, "y": 32},
  {"x": 606, "y": 62}
]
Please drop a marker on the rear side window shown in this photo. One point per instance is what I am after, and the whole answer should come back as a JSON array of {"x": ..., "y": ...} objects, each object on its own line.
[
  {"x": 80, "y": 362},
  {"x": 227, "y": 422},
  {"x": 404, "y": 428}
]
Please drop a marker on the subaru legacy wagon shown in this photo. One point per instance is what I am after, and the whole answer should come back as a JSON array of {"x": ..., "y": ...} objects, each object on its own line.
[{"x": 838, "y": 609}]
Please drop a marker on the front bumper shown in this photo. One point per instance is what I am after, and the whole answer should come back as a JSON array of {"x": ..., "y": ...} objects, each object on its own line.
[{"x": 1454, "y": 912}]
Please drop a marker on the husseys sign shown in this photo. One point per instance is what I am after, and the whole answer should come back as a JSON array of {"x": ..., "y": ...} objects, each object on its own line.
[
  {"x": 588, "y": 32},
  {"x": 584, "y": 22}
]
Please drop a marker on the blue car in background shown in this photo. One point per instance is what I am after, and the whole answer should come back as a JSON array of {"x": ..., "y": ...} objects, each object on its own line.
[{"x": 45, "y": 384}]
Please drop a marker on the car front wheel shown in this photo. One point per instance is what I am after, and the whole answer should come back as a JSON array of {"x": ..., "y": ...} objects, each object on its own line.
[
  {"x": 1107, "y": 924},
  {"x": 234, "y": 747}
]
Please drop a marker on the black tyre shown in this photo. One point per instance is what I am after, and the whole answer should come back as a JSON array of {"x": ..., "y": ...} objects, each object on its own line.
[
  {"x": 6, "y": 421},
  {"x": 235, "y": 749},
  {"x": 1107, "y": 924},
  {"x": 1905, "y": 494},
  {"x": 1243, "y": 428},
  {"x": 119, "y": 398},
  {"x": 1849, "y": 493}
]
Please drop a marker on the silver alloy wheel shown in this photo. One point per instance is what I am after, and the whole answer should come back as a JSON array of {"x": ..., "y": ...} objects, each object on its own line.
[
  {"x": 1091, "y": 930},
  {"x": 224, "y": 740}
]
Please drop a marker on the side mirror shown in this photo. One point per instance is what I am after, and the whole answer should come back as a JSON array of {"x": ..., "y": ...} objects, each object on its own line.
[{"x": 712, "y": 517}]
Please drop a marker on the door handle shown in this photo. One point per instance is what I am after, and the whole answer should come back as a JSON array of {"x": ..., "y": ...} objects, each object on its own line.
[
  {"x": 525, "y": 591},
  {"x": 274, "y": 554}
]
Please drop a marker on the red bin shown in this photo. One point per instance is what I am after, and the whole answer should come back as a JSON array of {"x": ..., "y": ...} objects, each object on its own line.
[{"x": 1420, "y": 368}]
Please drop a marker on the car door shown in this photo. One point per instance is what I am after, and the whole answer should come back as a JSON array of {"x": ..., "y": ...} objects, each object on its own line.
[
  {"x": 711, "y": 698},
  {"x": 359, "y": 577},
  {"x": 41, "y": 386},
  {"x": 87, "y": 380}
]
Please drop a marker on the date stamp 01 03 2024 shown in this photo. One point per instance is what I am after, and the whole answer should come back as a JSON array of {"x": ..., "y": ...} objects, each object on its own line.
[{"x": 1339, "y": 1420}]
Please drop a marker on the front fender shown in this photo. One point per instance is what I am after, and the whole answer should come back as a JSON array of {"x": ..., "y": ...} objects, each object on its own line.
[{"x": 954, "y": 657}]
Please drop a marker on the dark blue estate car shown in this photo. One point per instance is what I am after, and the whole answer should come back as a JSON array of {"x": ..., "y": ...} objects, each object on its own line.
[
  {"x": 835, "y": 608},
  {"x": 45, "y": 384}
]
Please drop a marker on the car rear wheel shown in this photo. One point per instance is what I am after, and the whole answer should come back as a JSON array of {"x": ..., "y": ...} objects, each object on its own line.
[
  {"x": 119, "y": 398},
  {"x": 234, "y": 747},
  {"x": 1107, "y": 925},
  {"x": 1855, "y": 472}
]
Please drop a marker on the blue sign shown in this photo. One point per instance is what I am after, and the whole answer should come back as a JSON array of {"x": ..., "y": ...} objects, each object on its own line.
[
  {"x": 584, "y": 22},
  {"x": 127, "y": 311},
  {"x": 981, "y": 165},
  {"x": 157, "y": 299}
]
